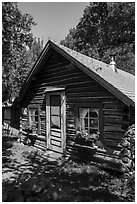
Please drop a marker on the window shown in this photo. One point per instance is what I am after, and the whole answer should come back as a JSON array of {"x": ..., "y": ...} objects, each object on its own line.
[
  {"x": 55, "y": 111},
  {"x": 7, "y": 113},
  {"x": 33, "y": 114},
  {"x": 34, "y": 119},
  {"x": 24, "y": 111},
  {"x": 89, "y": 120}
]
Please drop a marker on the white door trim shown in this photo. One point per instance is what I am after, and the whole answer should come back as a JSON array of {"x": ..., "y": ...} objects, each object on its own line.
[{"x": 63, "y": 119}]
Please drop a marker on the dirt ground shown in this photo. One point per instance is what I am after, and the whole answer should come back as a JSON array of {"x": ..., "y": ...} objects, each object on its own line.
[{"x": 27, "y": 176}]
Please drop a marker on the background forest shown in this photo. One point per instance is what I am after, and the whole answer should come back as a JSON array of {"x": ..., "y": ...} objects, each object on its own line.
[
  {"x": 104, "y": 28},
  {"x": 19, "y": 49}
]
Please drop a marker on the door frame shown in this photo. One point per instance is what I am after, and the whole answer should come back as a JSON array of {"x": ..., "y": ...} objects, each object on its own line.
[{"x": 63, "y": 118}]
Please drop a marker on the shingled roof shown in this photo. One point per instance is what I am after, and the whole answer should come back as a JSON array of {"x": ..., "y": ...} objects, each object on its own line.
[{"x": 120, "y": 83}]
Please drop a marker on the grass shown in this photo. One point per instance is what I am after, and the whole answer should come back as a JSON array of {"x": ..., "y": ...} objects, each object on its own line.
[{"x": 28, "y": 177}]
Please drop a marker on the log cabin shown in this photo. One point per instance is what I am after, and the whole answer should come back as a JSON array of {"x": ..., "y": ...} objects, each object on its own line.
[{"x": 77, "y": 105}]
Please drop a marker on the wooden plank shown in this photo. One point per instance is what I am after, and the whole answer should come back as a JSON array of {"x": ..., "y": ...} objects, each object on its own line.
[
  {"x": 70, "y": 132},
  {"x": 56, "y": 134},
  {"x": 74, "y": 84},
  {"x": 106, "y": 152},
  {"x": 114, "y": 120},
  {"x": 113, "y": 128},
  {"x": 112, "y": 143},
  {"x": 113, "y": 117},
  {"x": 113, "y": 135},
  {"x": 96, "y": 93},
  {"x": 58, "y": 72},
  {"x": 41, "y": 142},
  {"x": 55, "y": 143},
  {"x": 113, "y": 112},
  {"x": 86, "y": 88},
  {"x": 86, "y": 147},
  {"x": 70, "y": 121},
  {"x": 111, "y": 105},
  {"x": 70, "y": 125},
  {"x": 56, "y": 66},
  {"x": 90, "y": 99},
  {"x": 58, "y": 77},
  {"x": 107, "y": 159},
  {"x": 55, "y": 130},
  {"x": 41, "y": 137},
  {"x": 40, "y": 147},
  {"x": 70, "y": 137}
]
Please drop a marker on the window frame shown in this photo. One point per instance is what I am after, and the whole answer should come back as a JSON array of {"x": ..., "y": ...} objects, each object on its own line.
[
  {"x": 7, "y": 112},
  {"x": 85, "y": 121},
  {"x": 38, "y": 109},
  {"x": 97, "y": 105},
  {"x": 55, "y": 114}
]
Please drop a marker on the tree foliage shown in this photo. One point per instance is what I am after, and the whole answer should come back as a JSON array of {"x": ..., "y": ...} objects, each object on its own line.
[
  {"x": 105, "y": 28},
  {"x": 18, "y": 48}
]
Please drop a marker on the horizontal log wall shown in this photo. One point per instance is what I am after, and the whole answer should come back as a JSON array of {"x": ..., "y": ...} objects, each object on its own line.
[{"x": 80, "y": 88}]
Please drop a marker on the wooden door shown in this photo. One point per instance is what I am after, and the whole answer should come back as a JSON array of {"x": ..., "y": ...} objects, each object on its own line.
[{"x": 55, "y": 119}]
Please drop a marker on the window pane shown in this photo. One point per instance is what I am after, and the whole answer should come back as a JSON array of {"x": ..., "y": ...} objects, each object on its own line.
[
  {"x": 93, "y": 123},
  {"x": 36, "y": 116},
  {"x": 86, "y": 122},
  {"x": 32, "y": 111},
  {"x": 83, "y": 112},
  {"x": 83, "y": 121},
  {"x": 24, "y": 111},
  {"x": 55, "y": 100},
  {"x": 93, "y": 113},
  {"x": 55, "y": 110},
  {"x": 7, "y": 114},
  {"x": 33, "y": 117},
  {"x": 55, "y": 104},
  {"x": 55, "y": 122}
]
